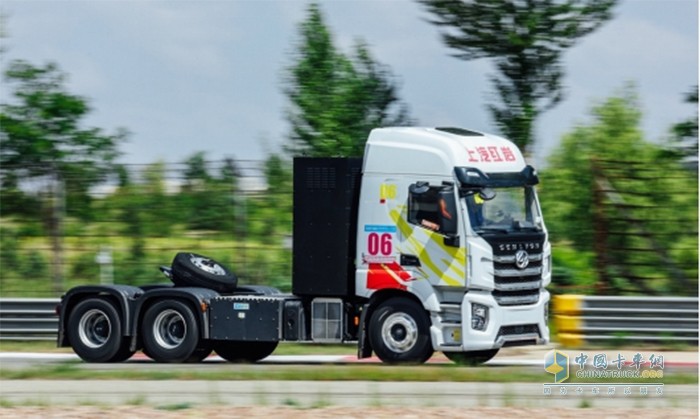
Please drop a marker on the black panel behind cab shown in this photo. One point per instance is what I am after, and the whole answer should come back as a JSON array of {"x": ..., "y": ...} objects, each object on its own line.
[{"x": 326, "y": 195}]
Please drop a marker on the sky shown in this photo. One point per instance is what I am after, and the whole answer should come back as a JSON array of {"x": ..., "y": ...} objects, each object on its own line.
[{"x": 189, "y": 76}]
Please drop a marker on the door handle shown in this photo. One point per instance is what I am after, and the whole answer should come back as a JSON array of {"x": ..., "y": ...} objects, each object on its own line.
[{"x": 409, "y": 260}]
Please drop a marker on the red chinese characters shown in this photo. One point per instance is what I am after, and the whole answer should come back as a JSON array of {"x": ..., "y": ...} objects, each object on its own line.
[{"x": 490, "y": 154}]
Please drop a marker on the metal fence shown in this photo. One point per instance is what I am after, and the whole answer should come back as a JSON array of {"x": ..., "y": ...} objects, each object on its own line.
[
  {"x": 28, "y": 318},
  {"x": 596, "y": 319},
  {"x": 578, "y": 319}
]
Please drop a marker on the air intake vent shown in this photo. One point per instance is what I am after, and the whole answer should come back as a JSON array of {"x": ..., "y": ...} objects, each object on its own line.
[
  {"x": 320, "y": 177},
  {"x": 460, "y": 131}
]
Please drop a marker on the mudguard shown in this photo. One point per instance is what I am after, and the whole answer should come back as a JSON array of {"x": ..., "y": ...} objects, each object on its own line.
[{"x": 123, "y": 295}]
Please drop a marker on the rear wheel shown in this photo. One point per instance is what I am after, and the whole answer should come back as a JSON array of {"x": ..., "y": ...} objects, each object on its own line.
[
  {"x": 471, "y": 357},
  {"x": 234, "y": 351},
  {"x": 399, "y": 332},
  {"x": 201, "y": 353},
  {"x": 170, "y": 331},
  {"x": 95, "y": 332}
]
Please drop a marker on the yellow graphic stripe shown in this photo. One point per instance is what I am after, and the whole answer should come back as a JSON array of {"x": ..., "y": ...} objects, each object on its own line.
[
  {"x": 457, "y": 254},
  {"x": 443, "y": 275},
  {"x": 454, "y": 268},
  {"x": 402, "y": 224}
]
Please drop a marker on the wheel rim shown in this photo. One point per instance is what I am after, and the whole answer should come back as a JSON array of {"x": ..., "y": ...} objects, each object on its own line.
[
  {"x": 94, "y": 329},
  {"x": 207, "y": 265},
  {"x": 169, "y": 329},
  {"x": 400, "y": 332}
]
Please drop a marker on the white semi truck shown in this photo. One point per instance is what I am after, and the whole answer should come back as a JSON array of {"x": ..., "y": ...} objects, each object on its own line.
[{"x": 434, "y": 241}]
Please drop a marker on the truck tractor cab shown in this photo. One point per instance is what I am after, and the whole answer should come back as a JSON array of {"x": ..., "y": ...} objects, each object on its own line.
[{"x": 449, "y": 220}]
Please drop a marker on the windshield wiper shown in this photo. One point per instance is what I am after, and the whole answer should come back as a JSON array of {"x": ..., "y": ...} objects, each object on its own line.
[
  {"x": 529, "y": 228},
  {"x": 493, "y": 229},
  {"x": 518, "y": 226}
]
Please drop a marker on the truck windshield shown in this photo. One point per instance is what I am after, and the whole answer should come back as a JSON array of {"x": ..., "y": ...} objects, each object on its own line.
[{"x": 513, "y": 209}]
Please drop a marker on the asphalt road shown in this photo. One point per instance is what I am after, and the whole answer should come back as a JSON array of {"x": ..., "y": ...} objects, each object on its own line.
[
  {"x": 529, "y": 356},
  {"x": 335, "y": 393}
]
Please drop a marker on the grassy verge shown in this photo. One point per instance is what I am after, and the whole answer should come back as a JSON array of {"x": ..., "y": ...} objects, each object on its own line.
[{"x": 355, "y": 372}]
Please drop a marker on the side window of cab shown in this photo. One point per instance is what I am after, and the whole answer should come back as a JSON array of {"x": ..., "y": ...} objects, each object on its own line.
[{"x": 433, "y": 207}]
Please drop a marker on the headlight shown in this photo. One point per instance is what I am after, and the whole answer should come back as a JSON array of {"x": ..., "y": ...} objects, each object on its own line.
[{"x": 480, "y": 317}]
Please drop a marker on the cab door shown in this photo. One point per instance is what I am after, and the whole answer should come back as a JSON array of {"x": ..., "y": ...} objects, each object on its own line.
[{"x": 429, "y": 241}]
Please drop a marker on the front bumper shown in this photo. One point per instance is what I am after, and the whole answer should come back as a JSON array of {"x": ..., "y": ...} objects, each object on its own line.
[{"x": 507, "y": 325}]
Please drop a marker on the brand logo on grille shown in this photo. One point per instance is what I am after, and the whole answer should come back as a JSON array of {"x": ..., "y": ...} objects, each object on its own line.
[
  {"x": 522, "y": 259},
  {"x": 519, "y": 246}
]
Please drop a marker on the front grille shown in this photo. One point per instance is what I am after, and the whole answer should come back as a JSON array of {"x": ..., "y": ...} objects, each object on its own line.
[
  {"x": 520, "y": 329},
  {"x": 516, "y": 298},
  {"x": 508, "y": 279},
  {"x": 518, "y": 335},
  {"x": 515, "y": 285}
]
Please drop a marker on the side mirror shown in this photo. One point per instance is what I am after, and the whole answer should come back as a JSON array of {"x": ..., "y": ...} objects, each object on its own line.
[
  {"x": 419, "y": 188},
  {"x": 487, "y": 194}
]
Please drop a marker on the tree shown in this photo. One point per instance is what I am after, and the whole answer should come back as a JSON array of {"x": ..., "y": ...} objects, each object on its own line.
[
  {"x": 336, "y": 100},
  {"x": 609, "y": 193},
  {"x": 685, "y": 133},
  {"x": 196, "y": 171},
  {"x": 206, "y": 198},
  {"x": 41, "y": 138},
  {"x": 525, "y": 39}
]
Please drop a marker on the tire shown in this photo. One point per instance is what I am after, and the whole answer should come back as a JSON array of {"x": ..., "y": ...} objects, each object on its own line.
[
  {"x": 471, "y": 358},
  {"x": 124, "y": 352},
  {"x": 234, "y": 351},
  {"x": 201, "y": 353},
  {"x": 95, "y": 332},
  {"x": 193, "y": 270},
  {"x": 399, "y": 332},
  {"x": 170, "y": 331}
]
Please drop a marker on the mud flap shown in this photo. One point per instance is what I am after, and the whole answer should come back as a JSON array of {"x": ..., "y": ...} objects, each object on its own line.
[{"x": 364, "y": 349}]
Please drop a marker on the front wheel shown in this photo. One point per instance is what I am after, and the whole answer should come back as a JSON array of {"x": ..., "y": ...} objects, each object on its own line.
[
  {"x": 399, "y": 332},
  {"x": 471, "y": 358},
  {"x": 233, "y": 351},
  {"x": 95, "y": 332},
  {"x": 170, "y": 332}
]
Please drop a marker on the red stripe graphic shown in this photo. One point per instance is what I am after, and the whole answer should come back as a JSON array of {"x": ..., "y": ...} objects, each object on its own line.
[{"x": 387, "y": 275}]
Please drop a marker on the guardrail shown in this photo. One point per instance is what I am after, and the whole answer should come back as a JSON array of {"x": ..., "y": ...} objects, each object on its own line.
[
  {"x": 28, "y": 318},
  {"x": 578, "y": 319},
  {"x": 600, "y": 319}
]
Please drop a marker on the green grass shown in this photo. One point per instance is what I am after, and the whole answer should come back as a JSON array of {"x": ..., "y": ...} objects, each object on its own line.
[
  {"x": 175, "y": 407},
  {"x": 353, "y": 372}
]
